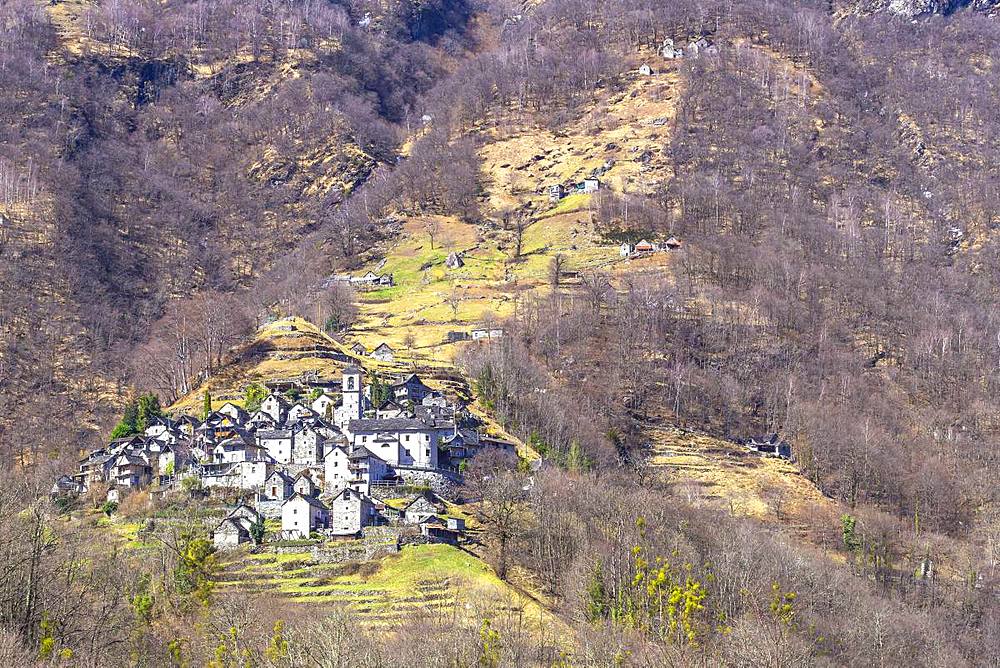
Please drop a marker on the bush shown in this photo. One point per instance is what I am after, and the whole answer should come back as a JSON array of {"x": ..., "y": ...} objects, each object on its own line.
[{"x": 109, "y": 508}]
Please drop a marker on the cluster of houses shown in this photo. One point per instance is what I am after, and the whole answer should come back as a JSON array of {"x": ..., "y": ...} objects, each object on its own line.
[
  {"x": 769, "y": 445},
  {"x": 314, "y": 464},
  {"x": 369, "y": 279},
  {"x": 671, "y": 51},
  {"x": 589, "y": 185},
  {"x": 694, "y": 48},
  {"x": 645, "y": 247}
]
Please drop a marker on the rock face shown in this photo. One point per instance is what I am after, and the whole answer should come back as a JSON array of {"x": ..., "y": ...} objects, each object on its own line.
[{"x": 915, "y": 8}]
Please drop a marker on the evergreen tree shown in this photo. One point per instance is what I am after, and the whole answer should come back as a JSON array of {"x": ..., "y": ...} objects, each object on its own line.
[
  {"x": 148, "y": 408},
  {"x": 129, "y": 424},
  {"x": 597, "y": 596},
  {"x": 206, "y": 408},
  {"x": 380, "y": 392}
]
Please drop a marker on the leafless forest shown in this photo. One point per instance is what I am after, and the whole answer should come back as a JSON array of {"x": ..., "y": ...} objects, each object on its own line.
[{"x": 839, "y": 283}]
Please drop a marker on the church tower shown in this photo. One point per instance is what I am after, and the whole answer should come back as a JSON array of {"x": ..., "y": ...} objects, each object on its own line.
[{"x": 351, "y": 391}]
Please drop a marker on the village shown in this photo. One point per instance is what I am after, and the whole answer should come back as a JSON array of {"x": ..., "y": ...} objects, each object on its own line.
[{"x": 338, "y": 465}]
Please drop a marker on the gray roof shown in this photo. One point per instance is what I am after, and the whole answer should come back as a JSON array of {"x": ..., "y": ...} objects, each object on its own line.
[
  {"x": 281, "y": 474},
  {"x": 387, "y": 424},
  {"x": 311, "y": 500},
  {"x": 352, "y": 370},
  {"x": 362, "y": 452},
  {"x": 274, "y": 433}
]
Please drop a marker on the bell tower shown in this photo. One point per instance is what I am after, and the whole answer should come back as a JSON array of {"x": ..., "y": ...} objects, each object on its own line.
[{"x": 351, "y": 392}]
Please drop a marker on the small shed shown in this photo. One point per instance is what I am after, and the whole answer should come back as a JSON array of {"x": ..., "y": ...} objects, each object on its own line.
[
  {"x": 627, "y": 249},
  {"x": 556, "y": 192},
  {"x": 454, "y": 261},
  {"x": 645, "y": 70}
]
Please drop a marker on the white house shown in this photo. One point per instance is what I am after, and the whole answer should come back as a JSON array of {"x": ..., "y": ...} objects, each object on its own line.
[
  {"x": 276, "y": 406},
  {"x": 301, "y": 515},
  {"x": 645, "y": 70},
  {"x": 323, "y": 405},
  {"x": 591, "y": 185},
  {"x": 300, "y": 412},
  {"x": 356, "y": 468},
  {"x": 239, "y": 475},
  {"x": 336, "y": 467},
  {"x": 278, "y": 443},
  {"x": 669, "y": 51},
  {"x": 399, "y": 441},
  {"x": 479, "y": 334},
  {"x": 236, "y": 413}
]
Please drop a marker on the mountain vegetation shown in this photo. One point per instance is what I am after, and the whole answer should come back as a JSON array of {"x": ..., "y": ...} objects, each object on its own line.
[{"x": 174, "y": 175}]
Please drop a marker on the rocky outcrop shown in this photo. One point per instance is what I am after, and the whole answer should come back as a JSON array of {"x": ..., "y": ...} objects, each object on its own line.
[{"x": 916, "y": 8}]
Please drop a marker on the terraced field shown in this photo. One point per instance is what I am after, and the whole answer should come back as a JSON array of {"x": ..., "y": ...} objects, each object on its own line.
[
  {"x": 422, "y": 580},
  {"x": 715, "y": 472}
]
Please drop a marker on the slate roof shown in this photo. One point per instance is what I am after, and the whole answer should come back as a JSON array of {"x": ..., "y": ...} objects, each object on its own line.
[
  {"x": 311, "y": 500},
  {"x": 387, "y": 424}
]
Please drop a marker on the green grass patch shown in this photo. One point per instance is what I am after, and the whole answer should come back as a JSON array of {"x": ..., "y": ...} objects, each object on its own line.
[{"x": 568, "y": 204}]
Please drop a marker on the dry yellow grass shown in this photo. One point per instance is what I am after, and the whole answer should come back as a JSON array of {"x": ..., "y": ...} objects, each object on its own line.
[{"x": 715, "y": 472}]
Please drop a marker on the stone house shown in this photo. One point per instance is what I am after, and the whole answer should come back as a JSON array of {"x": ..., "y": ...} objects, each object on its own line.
[
  {"x": 130, "y": 470},
  {"x": 279, "y": 486},
  {"x": 307, "y": 445},
  {"x": 304, "y": 485},
  {"x": 420, "y": 509},
  {"x": 350, "y": 511},
  {"x": 384, "y": 353},
  {"x": 276, "y": 406},
  {"x": 66, "y": 486},
  {"x": 410, "y": 388},
  {"x": 301, "y": 515},
  {"x": 236, "y": 528},
  {"x": 229, "y": 534}
]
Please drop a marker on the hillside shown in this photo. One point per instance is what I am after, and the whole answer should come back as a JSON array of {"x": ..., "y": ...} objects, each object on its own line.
[{"x": 613, "y": 247}]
